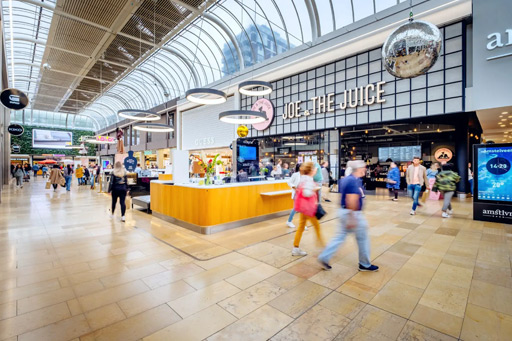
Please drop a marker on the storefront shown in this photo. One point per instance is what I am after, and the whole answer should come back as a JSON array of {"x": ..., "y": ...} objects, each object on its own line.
[{"x": 354, "y": 109}]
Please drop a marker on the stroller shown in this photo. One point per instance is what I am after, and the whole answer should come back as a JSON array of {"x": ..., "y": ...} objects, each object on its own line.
[{"x": 26, "y": 178}]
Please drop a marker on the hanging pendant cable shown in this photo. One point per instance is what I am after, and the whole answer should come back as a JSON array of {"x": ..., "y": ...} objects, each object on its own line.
[{"x": 410, "y": 11}]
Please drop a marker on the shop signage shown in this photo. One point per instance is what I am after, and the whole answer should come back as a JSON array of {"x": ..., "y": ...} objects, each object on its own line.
[
  {"x": 105, "y": 139},
  {"x": 15, "y": 129},
  {"x": 496, "y": 40},
  {"x": 130, "y": 162},
  {"x": 284, "y": 151},
  {"x": 443, "y": 155},
  {"x": 205, "y": 141},
  {"x": 265, "y": 106},
  {"x": 14, "y": 99},
  {"x": 15, "y": 148},
  {"x": 363, "y": 95}
]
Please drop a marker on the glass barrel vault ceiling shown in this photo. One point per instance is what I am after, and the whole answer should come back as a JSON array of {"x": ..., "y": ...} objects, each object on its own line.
[{"x": 223, "y": 39}]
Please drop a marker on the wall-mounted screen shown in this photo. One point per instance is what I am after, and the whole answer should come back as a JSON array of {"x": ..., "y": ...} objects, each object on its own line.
[
  {"x": 51, "y": 139},
  {"x": 492, "y": 173},
  {"x": 399, "y": 153},
  {"x": 247, "y": 153}
]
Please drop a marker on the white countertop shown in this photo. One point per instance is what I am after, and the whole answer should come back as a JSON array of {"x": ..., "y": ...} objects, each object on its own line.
[{"x": 236, "y": 184}]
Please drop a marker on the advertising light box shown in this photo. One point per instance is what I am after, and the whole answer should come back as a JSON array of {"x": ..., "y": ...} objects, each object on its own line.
[
  {"x": 51, "y": 139},
  {"x": 493, "y": 183}
]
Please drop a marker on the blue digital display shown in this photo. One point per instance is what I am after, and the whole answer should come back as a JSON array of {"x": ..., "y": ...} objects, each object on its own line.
[
  {"x": 247, "y": 153},
  {"x": 494, "y": 177}
]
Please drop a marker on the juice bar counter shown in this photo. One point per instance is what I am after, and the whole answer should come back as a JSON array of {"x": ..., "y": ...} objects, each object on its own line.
[{"x": 214, "y": 208}]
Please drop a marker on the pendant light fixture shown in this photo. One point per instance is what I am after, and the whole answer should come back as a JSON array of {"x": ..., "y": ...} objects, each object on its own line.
[
  {"x": 255, "y": 88},
  {"x": 138, "y": 115},
  {"x": 153, "y": 127},
  {"x": 242, "y": 117},
  {"x": 206, "y": 96}
]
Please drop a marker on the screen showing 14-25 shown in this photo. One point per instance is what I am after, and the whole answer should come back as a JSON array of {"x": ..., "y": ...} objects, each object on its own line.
[{"x": 494, "y": 175}]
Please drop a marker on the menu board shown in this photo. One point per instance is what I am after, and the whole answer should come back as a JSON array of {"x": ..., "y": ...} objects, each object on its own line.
[{"x": 399, "y": 153}]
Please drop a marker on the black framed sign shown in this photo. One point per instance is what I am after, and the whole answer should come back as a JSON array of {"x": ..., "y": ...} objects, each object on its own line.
[
  {"x": 15, "y": 129},
  {"x": 13, "y": 99}
]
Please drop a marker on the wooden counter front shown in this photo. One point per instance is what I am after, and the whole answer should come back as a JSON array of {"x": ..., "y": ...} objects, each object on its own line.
[{"x": 224, "y": 206}]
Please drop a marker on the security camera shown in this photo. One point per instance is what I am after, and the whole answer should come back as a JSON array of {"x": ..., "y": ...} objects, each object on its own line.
[{"x": 166, "y": 94}]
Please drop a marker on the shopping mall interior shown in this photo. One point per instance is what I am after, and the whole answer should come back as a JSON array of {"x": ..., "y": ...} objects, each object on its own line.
[{"x": 194, "y": 170}]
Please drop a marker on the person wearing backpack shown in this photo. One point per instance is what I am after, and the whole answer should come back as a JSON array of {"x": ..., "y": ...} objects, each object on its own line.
[
  {"x": 446, "y": 183},
  {"x": 306, "y": 203},
  {"x": 352, "y": 219},
  {"x": 118, "y": 188}
]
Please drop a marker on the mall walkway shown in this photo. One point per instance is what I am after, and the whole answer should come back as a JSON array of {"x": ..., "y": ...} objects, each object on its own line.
[{"x": 68, "y": 272}]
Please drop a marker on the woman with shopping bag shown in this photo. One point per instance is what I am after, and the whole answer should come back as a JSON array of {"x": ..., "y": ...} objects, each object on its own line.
[{"x": 306, "y": 203}]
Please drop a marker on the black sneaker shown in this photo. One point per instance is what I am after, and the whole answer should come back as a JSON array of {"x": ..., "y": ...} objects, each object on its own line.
[
  {"x": 325, "y": 265},
  {"x": 327, "y": 200},
  {"x": 370, "y": 268}
]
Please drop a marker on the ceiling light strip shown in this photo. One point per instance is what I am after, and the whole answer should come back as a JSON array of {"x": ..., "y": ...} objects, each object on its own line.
[{"x": 12, "y": 43}]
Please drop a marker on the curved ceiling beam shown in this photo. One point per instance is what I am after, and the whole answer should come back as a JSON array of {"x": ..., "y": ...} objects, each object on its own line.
[
  {"x": 163, "y": 68},
  {"x": 143, "y": 99},
  {"x": 231, "y": 36},
  {"x": 161, "y": 58},
  {"x": 147, "y": 89},
  {"x": 151, "y": 74},
  {"x": 97, "y": 112},
  {"x": 177, "y": 42},
  {"x": 314, "y": 19}
]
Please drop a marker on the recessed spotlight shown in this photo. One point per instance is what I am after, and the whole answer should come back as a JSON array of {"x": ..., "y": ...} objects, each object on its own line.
[
  {"x": 503, "y": 119},
  {"x": 504, "y": 113}
]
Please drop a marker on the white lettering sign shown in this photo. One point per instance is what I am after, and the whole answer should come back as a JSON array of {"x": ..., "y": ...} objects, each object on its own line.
[
  {"x": 364, "y": 95},
  {"x": 496, "y": 40},
  {"x": 205, "y": 141}
]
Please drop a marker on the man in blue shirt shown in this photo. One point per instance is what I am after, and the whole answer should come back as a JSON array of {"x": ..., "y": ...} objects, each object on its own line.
[
  {"x": 352, "y": 219},
  {"x": 35, "y": 168},
  {"x": 138, "y": 170}
]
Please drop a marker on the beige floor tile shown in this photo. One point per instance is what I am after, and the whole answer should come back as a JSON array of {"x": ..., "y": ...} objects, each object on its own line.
[
  {"x": 35, "y": 319},
  {"x": 446, "y": 296},
  {"x": 484, "y": 324},
  {"x": 415, "y": 331},
  {"x": 457, "y": 276},
  {"x": 203, "y": 298},
  {"x": 338, "y": 275},
  {"x": 175, "y": 273},
  {"x": 138, "y": 326},
  {"x": 7, "y": 310},
  {"x": 258, "y": 325},
  {"x": 28, "y": 290},
  {"x": 373, "y": 324},
  {"x": 74, "y": 307},
  {"x": 404, "y": 248},
  {"x": 285, "y": 280},
  {"x": 358, "y": 291},
  {"x": 131, "y": 275},
  {"x": 212, "y": 276},
  {"x": 342, "y": 304},
  {"x": 437, "y": 320},
  {"x": 150, "y": 299},
  {"x": 318, "y": 323},
  {"x": 104, "y": 316},
  {"x": 251, "y": 299},
  {"x": 490, "y": 296},
  {"x": 63, "y": 330},
  {"x": 398, "y": 298},
  {"x": 211, "y": 320},
  {"x": 44, "y": 300},
  {"x": 87, "y": 288},
  {"x": 376, "y": 280},
  {"x": 391, "y": 260},
  {"x": 414, "y": 275},
  {"x": 299, "y": 299},
  {"x": 494, "y": 275},
  {"x": 111, "y": 295},
  {"x": 247, "y": 278}
]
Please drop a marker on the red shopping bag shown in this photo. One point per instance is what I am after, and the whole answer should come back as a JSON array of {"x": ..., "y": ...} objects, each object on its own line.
[{"x": 305, "y": 205}]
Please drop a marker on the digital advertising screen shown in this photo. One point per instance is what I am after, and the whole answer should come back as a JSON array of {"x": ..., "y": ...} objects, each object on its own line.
[
  {"x": 492, "y": 173},
  {"x": 247, "y": 153},
  {"x": 51, "y": 139},
  {"x": 399, "y": 153}
]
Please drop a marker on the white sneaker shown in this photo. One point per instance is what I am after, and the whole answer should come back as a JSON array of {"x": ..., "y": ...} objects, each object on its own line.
[
  {"x": 306, "y": 228},
  {"x": 413, "y": 212},
  {"x": 123, "y": 218},
  {"x": 394, "y": 199},
  {"x": 290, "y": 224},
  {"x": 445, "y": 215},
  {"x": 298, "y": 252},
  {"x": 450, "y": 212}
]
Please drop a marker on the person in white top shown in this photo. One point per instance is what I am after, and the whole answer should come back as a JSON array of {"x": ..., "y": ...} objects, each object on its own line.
[
  {"x": 278, "y": 169},
  {"x": 293, "y": 183}
]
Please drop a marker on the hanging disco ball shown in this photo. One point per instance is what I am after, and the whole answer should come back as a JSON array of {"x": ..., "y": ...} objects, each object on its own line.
[{"x": 412, "y": 49}]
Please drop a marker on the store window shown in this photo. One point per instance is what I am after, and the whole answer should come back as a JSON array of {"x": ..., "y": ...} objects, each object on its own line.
[
  {"x": 135, "y": 136},
  {"x": 126, "y": 136}
]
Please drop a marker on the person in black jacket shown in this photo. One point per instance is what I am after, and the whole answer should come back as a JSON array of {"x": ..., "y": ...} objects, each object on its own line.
[{"x": 118, "y": 188}]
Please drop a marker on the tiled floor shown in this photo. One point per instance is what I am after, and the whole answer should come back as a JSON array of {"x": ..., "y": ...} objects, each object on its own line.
[{"x": 69, "y": 272}]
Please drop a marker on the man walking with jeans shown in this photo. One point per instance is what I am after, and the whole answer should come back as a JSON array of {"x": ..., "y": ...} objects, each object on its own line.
[
  {"x": 352, "y": 219},
  {"x": 416, "y": 177}
]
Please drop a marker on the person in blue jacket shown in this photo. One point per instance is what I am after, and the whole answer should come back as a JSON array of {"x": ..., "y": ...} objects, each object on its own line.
[{"x": 393, "y": 180}]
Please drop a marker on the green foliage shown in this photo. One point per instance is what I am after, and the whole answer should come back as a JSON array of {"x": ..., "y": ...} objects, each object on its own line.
[{"x": 25, "y": 142}]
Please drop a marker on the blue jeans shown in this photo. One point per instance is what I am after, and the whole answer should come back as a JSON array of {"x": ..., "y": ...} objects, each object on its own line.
[
  {"x": 414, "y": 192},
  {"x": 361, "y": 231},
  {"x": 292, "y": 214},
  {"x": 68, "y": 182},
  {"x": 92, "y": 181},
  {"x": 471, "y": 186}
]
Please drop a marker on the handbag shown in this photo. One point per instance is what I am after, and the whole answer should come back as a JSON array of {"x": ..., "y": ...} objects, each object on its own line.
[
  {"x": 320, "y": 212},
  {"x": 48, "y": 185},
  {"x": 425, "y": 196},
  {"x": 62, "y": 181},
  {"x": 305, "y": 205}
]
